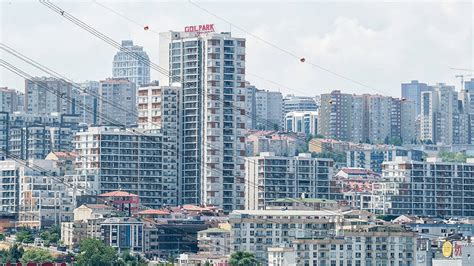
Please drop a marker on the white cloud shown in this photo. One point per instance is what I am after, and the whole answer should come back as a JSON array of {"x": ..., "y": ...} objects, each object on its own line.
[{"x": 378, "y": 44}]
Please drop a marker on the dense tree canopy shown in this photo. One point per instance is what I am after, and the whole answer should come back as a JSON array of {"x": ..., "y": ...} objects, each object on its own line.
[
  {"x": 93, "y": 252},
  {"x": 242, "y": 258},
  {"x": 24, "y": 236},
  {"x": 12, "y": 255},
  {"x": 37, "y": 255}
]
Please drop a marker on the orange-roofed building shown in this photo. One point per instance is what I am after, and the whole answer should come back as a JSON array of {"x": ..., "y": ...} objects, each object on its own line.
[{"x": 123, "y": 201}]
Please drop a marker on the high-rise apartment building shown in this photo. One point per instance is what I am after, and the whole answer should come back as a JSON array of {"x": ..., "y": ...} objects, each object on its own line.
[
  {"x": 269, "y": 177},
  {"x": 10, "y": 100},
  {"x": 380, "y": 119},
  {"x": 47, "y": 95},
  {"x": 9, "y": 175},
  {"x": 335, "y": 115},
  {"x": 88, "y": 99},
  {"x": 118, "y": 102},
  {"x": 113, "y": 158},
  {"x": 251, "y": 105},
  {"x": 132, "y": 63},
  {"x": 158, "y": 113},
  {"x": 360, "y": 118},
  {"x": 467, "y": 98},
  {"x": 264, "y": 108},
  {"x": 211, "y": 68},
  {"x": 366, "y": 118},
  {"x": 408, "y": 126},
  {"x": 441, "y": 118},
  {"x": 29, "y": 136},
  {"x": 412, "y": 91},
  {"x": 429, "y": 116}
]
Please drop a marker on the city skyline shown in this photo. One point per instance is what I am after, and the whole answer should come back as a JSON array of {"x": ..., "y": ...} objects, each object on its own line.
[
  {"x": 325, "y": 43},
  {"x": 230, "y": 134}
]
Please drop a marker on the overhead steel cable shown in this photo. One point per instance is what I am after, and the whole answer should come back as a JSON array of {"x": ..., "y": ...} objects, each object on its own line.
[
  {"x": 140, "y": 58},
  {"x": 129, "y": 52},
  {"x": 283, "y": 50},
  {"x": 158, "y": 34},
  {"x": 94, "y": 32},
  {"x": 102, "y": 116},
  {"x": 25, "y": 75}
]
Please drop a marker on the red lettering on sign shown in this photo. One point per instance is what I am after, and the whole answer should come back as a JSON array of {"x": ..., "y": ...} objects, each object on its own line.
[{"x": 200, "y": 28}]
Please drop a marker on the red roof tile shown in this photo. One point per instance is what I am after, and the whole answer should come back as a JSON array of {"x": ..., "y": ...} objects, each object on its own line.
[{"x": 118, "y": 193}]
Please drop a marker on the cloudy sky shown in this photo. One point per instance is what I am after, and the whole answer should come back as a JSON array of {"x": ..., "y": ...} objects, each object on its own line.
[{"x": 367, "y": 47}]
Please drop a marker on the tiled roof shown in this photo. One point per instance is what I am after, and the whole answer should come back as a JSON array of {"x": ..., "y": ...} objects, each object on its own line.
[{"x": 118, "y": 193}]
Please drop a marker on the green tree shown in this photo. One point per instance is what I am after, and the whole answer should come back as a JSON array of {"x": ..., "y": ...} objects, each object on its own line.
[
  {"x": 2, "y": 237},
  {"x": 242, "y": 258},
  {"x": 24, "y": 236},
  {"x": 131, "y": 259},
  {"x": 459, "y": 157},
  {"x": 37, "y": 255},
  {"x": 51, "y": 235},
  {"x": 93, "y": 252},
  {"x": 12, "y": 255}
]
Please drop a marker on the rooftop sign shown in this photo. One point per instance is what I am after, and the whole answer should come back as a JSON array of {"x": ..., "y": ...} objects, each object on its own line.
[{"x": 200, "y": 28}]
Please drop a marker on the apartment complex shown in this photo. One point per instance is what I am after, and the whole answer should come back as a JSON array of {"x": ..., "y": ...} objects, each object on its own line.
[
  {"x": 29, "y": 136},
  {"x": 11, "y": 100},
  {"x": 431, "y": 187},
  {"x": 158, "y": 112},
  {"x": 412, "y": 91},
  {"x": 46, "y": 95},
  {"x": 131, "y": 63},
  {"x": 37, "y": 198},
  {"x": 371, "y": 157},
  {"x": 367, "y": 118},
  {"x": 88, "y": 99},
  {"x": 442, "y": 120},
  {"x": 370, "y": 246},
  {"x": 211, "y": 68},
  {"x": 118, "y": 102},
  {"x": 113, "y": 158},
  {"x": 256, "y": 230},
  {"x": 335, "y": 115},
  {"x": 263, "y": 108},
  {"x": 269, "y": 177},
  {"x": 9, "y": 195}
]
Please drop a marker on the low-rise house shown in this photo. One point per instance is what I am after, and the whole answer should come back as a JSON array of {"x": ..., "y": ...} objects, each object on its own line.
[
  {"x": 214, "y": 241},
  {"x": 86, "y": 224}
]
